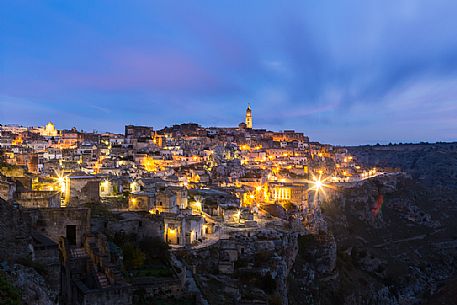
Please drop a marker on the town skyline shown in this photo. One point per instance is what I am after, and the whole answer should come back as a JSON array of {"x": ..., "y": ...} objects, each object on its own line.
[
  {"x": 228, "y": 152},
  {"x": 120, "y": 130}
]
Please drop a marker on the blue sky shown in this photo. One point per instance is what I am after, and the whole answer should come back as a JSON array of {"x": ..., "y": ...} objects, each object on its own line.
[{"x": 343, "y": 72}]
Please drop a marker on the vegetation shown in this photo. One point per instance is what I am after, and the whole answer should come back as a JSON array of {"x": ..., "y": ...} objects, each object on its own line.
[
  {"x": 148, "y": 254},
  {"x": 154, "y": 248},
  {"x": 133, "y": 257},
  {"x": 158, "y": 270},
  {"x": 9, "y": 295}
]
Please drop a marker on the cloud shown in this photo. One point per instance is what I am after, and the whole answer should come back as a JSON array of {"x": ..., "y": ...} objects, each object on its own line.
[{"x": 345, "y": 72}]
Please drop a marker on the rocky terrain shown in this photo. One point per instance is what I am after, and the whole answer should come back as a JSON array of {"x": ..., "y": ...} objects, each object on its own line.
[
  {"x": 390, "y": 240},
  {"x": 409, "y": 243}
]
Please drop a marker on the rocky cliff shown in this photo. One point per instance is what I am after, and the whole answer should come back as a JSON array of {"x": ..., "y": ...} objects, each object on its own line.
[{"x": 390, "y": 246}]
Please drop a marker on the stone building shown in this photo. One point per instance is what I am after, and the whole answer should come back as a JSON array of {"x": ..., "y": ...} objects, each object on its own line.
[
  {"x": 141, "y": 201},
  {"x": 7, "y": 188},
  {"x": 38, "y": 199},
  {"x": 153, "y": 286},
  {"x": 20, "y": 240},
  {"x": 15, "y": 232},
  {"x": 183, "y": 230},
  {"x": 248, "y": 120},
  {"x": 111, "y": 187},
  {"x": 90, "y": 273},
  {"x": 82, "y": 189},
  {"x": 137, "y": 132},
  {"x": 166, "y": 201},
  {"x": 296, "y": 193},
  {"x": 46, "y": 252},
  {"x": 139, "y": 224},
  {"x": 72, "y": 223}
]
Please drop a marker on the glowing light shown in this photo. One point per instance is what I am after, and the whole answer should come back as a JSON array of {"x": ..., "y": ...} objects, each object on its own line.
[
  {"x": 133, "y": 202},
  {"x": 258, "y": 188},
  {"x": 133, "y": 186},
  {"x": 151, "y": 165},
  {"x": 197, "y": 205},
  {"x": 153, "y": 212},
  {"x": 318, "y": 184},
  {"x": 252, "y": 196},
  {"x": 62, "y": 181},
  {"x": 17, "y": 141}
]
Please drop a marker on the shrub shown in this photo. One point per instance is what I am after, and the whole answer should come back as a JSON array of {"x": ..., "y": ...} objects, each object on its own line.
[
  {"x": 133, "y": 257},
  {"x": 9, "y": 295},
  {"x": 153, "y": 248}
]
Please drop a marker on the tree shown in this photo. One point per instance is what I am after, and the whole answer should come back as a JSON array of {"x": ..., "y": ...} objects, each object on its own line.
[
  {"x": 133, "y": 257},
  {"x": 154, "y": 247}
]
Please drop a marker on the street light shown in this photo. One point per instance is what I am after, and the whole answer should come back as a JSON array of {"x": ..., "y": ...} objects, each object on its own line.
[{"x": 317, "y": 185}]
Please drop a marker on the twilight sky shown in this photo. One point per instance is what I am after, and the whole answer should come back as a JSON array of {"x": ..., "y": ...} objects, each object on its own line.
[{"x": 343, "y": 72}]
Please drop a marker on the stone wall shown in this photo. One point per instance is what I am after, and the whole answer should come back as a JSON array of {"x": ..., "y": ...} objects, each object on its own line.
[
  {"x": 140, "y": 224},
  {"x": 84, "y": 190},
  {"x": 38, "y": 199},
  {"x": 54, "y": 222},
  {"x": 15, "y": 232},
  {"x": 7, "y": 189}
]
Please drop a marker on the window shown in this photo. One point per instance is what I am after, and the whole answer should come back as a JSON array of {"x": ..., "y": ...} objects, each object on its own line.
[{"x": 71, "y": 234}]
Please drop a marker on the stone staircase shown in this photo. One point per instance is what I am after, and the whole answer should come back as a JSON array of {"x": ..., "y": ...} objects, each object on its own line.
[{"x": 102, "y": 280}]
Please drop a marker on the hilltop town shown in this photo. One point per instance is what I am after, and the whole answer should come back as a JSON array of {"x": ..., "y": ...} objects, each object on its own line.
[{"x": 180, "y": 215}]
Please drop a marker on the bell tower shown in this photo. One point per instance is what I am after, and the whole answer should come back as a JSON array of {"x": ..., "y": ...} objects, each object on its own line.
[{"x": 248, "y": 120}]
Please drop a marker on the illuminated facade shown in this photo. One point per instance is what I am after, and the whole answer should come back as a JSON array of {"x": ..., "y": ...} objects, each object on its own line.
[
  {"x": 50, "y": 130},
  {"x": 281, "y": 193},
  {"x": 248, "y": 120},
  {"x": 181, "y": 230}
]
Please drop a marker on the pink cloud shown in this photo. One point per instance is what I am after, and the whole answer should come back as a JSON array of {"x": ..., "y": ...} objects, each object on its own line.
[{"x": 162, "y": 70}]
